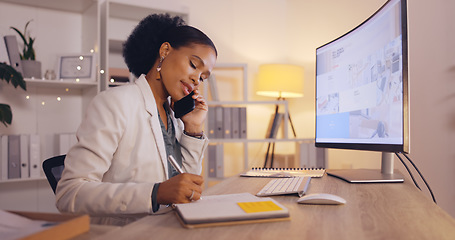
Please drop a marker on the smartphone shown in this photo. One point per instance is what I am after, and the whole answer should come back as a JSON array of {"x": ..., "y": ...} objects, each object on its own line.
[{"x": 184, "y": 105}]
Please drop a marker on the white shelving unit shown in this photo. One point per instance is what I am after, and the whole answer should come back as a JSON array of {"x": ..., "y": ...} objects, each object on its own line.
[
  {"x": 244, "y": 102},
  {"x": 48, "y": 107}
]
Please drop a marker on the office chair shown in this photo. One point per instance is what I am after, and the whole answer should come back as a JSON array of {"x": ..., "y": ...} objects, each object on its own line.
[{"x": 53, "y": 168}]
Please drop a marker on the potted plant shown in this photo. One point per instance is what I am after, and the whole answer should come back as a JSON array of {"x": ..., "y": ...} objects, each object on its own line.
[
  {"x": 10, "y": 75},
  {"x": 31, "y": 68}
]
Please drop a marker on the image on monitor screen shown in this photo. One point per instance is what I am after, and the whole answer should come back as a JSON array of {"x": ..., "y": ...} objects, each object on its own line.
[{"x": 362, "y": 86}]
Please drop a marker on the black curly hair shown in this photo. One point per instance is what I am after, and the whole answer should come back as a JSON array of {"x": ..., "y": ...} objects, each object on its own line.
[{"x": 141, "y": 49}]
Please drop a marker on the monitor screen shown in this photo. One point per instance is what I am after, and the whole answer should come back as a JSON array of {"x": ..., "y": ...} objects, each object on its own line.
[{"x": 362, "y": 85}]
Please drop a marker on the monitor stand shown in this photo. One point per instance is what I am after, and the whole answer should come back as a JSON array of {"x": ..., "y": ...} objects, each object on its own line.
[{"x": 385, "y": 175}]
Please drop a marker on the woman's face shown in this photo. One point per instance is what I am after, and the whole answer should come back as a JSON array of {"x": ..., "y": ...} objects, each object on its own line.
[{"x": 183, "y": 69}]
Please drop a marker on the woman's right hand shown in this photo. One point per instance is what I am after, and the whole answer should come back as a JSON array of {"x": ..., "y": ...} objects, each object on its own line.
[{"x": 182, "y": 188}]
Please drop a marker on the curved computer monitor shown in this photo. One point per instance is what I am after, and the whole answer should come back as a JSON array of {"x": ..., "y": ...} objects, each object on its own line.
[{"x": 362, "y": 91}]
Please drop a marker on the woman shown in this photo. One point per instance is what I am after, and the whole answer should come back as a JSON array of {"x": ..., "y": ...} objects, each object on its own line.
[{"x": 118, "y": 170}]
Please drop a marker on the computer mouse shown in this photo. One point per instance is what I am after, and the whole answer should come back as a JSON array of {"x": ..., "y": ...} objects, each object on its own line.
[{"x": 321, "y": 198}]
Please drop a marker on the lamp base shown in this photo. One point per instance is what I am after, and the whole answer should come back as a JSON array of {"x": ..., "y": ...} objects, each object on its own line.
[{"x": 272, "y": 134}]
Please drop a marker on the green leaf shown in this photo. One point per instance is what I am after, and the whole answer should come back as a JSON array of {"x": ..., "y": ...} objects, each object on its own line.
[
  {"x": 28, "y": 53},
  {"x": 9, "y": 74},
  {"x": 6, "y": 116},
  {"x": 20, "y": 34}
]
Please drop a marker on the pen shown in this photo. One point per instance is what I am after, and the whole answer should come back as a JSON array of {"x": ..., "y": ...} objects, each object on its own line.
[{"x": 174, "y": 163}]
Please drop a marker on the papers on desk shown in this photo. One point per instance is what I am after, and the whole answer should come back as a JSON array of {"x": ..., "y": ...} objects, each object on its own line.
[
  {"x": 37, "y": 226},
  {"x": 230, "y": 209},
  {"x": 13, "y": 226},
  {"x": 284, "y": 172}
]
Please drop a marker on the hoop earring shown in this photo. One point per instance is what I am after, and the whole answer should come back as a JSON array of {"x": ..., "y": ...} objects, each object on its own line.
[{"x": 158, "y": 69}]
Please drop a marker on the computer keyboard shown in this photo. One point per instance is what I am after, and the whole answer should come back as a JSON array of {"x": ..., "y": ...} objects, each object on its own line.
[{"x": 281, "y": 186}]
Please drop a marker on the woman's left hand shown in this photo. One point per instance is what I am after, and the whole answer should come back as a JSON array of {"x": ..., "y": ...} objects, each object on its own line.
[{"x": 194, "y": 120}]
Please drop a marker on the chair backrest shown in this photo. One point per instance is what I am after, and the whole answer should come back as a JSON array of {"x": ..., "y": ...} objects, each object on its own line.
[{"x": 53, "y": 168}]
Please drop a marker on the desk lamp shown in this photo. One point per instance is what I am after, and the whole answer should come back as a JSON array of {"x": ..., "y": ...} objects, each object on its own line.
[{"x": 280, "y": 81}]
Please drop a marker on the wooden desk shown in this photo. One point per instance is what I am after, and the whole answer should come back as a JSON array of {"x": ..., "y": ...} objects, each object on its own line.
[{"x": 373, "y": 211}]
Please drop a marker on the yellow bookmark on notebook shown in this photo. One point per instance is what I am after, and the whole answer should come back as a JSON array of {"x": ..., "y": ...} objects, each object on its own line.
[{"x": 262, "y": 206}]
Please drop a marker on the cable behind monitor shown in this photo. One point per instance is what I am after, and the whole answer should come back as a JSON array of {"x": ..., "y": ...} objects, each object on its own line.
[
  {"x": 409, "y": 171},
  {"x": 420, "y": 174}
]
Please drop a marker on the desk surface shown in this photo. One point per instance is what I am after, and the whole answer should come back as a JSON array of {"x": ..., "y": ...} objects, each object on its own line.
[{"x": 373, "y": 211}]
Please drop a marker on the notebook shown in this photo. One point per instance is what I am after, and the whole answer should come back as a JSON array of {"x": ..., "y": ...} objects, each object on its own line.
[
  {"x": 284, "y": 172},
  {"x": 229, "y": 209}
]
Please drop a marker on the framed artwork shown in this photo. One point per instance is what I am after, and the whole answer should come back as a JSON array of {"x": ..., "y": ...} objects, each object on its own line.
[{"x": 79, "y": 67}]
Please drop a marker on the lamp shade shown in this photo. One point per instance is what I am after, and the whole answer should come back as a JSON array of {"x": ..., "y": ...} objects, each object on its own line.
[{"x": 280, "y": 81}]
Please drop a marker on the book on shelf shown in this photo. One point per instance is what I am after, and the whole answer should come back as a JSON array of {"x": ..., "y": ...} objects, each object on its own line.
[
  {"x": 13, "y": 52},
  {"x": 284, "y": 172},
  {"x": 3, "y": 52},
  {"x": 274, "y": 125},
  {"x": 230, "y": 209}
]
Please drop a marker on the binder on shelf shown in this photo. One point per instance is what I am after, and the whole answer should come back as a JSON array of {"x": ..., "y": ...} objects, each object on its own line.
[
  {"x": 219, "y": 133},
  {"x": 219, "y": 160},
  {"x": 216, "y": 160},
  {"x": 24, "y": 157},
  {"x": 14, "y": 152},
  {"x": 13, "y": 52},
  {"x": 3, "y": 52},
  {"x": 227, "y": 122},
  {"x": 4, "y": 157},
  {"x": 243, "y": 123},
  {"x": 274, "y": 125},
  {"x": 235, "y": 122},
  {"x": 230, "y": 209},
  {"x": 211, "y": 118},
  {"x": 211, "y": 154},
  {"x": 35, "y": 156}
]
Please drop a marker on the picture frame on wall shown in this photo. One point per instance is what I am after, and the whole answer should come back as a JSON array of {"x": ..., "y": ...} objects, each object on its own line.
[{"x": 77, "y": 67}]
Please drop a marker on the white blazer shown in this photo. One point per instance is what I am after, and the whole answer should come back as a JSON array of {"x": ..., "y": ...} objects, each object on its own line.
[{"x": 120, "y": 155}]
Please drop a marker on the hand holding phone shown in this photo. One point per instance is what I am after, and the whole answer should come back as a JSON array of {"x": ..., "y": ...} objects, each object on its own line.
[{"x": 184, "y": 105}]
